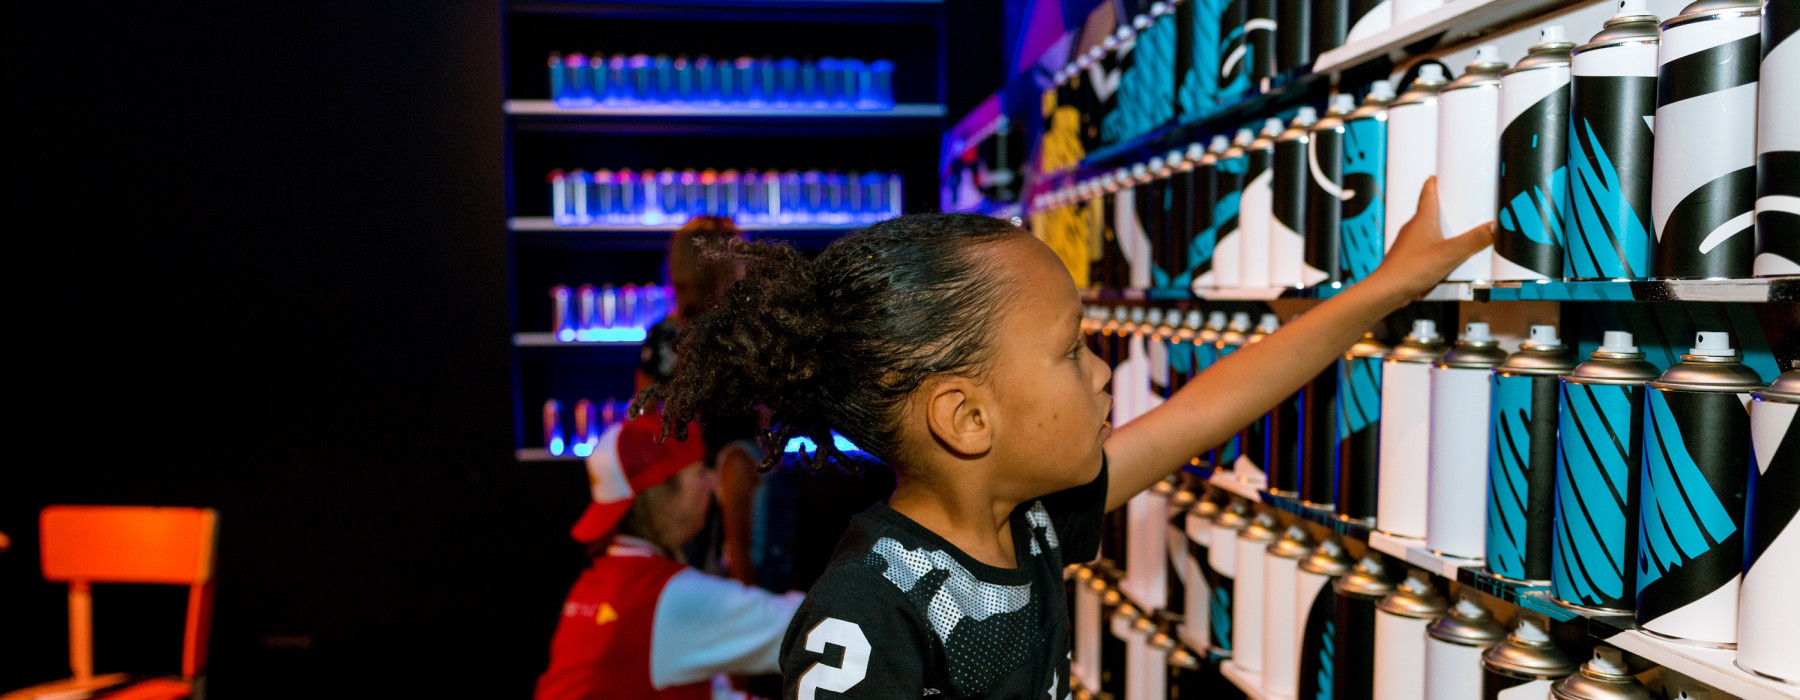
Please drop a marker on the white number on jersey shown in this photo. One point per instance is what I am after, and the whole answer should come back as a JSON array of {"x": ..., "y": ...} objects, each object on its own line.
[{"x": 835, "y": 678}]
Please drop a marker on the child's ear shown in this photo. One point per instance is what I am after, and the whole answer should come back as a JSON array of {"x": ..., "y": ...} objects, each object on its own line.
[{"x": 958, "y": 417}]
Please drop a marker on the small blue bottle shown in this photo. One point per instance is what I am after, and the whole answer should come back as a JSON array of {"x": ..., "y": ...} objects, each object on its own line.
[
  {"x": 855, "y": 76},
  {"x": 642, "y": 80},
  {"x": 706, "y": 81},
  {"x": 559, "y": 79},
  {"x": 787, "y": 82},
  {"x": 880, "y": 92},
  {"x": 682, "y": 91},
  {"x": 618, "y": 80}
]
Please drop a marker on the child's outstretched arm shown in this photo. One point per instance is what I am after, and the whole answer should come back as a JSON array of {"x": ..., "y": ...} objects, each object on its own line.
[{"x": 1248, "y": 383}]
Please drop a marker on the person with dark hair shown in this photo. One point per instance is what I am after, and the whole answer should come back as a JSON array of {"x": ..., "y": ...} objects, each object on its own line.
[
  {"x": 948, "y": 346},
  {"x": 640, "y": 623}
]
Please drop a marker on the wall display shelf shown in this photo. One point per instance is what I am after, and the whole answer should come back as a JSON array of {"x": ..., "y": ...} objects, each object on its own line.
[
  {"x": 539, "y": 454},
  {"x": 544, "y": 116},
  {"x": 1248, "y": 681},
  {"x": 549, "y": 108},
  {"x": 1452, "y": 20},
  {"x": 844, "y": 11},
  {"x": 661, "y": 233},
  {"x": 1759, "y": 290},
  {"x": 549, "y": 340}
]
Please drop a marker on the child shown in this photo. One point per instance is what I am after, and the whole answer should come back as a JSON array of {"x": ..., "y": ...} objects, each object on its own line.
[
  {"x": 639, "y": 623},
  {"x": 949, "y": 346}
]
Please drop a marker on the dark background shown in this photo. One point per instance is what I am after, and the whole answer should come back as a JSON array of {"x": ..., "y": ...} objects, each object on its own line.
[{"x": 259, "y": 265}]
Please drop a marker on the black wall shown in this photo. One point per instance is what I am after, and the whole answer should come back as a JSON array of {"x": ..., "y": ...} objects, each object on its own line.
[{"x": 258, "y": 265}]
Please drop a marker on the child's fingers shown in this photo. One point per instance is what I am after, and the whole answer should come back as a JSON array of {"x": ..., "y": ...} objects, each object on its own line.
[
  {"x": 1428, "y": 202},
  {"x": 1471, "y": 241}
]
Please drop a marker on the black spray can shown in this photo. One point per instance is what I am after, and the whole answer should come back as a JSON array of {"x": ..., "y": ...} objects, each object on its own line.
[
  {"x": 1601, "y": 445},
  {"x": 1691, "y": 514},
  {"x": 1316, "y": 603},
  {"x": 1778, "y": 144},
  {"x": 1327, "y": 25},
  {"x": 1318, "y": 439},
  {"x": 1287, "y": 245},
  {"x": 1324, "y": 192},
  {"x": 1293, "y": 44},
  {"x": 1284, "y": 437},
  {"x": 1256, "y": 447},
  {"x": 1359, "y": 428},
  {"x": 1603, "y": 677},
  {"x": 1527, "y": 661},
  {"x": 1204, "y": 201},
  {"x": 1259, "y": 29},
  {"x": 1221, "y": 574},
  {"x": 1612, "y": 98},
  {"x": 1522, "y": 457},
  {"x": 1703, "y": 191},
  {"x": 1353, "y": 614},
  {"x": 1534, "y": 150},
  {"x": 1768, "y": 608}
]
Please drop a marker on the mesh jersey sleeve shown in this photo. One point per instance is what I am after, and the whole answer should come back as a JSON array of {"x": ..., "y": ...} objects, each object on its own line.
[
  {"x": 1076, "y": 515},
  {"x": 855, "y": 636}
]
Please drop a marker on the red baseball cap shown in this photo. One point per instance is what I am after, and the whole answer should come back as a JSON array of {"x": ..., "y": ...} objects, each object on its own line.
[{"x": 631, "y": 458}]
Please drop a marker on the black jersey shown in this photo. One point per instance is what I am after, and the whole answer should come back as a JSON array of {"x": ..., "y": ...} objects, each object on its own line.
[{"x": 902, "y": 613}]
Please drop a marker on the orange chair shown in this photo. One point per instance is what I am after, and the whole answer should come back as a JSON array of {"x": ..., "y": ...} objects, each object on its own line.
[{"x": 83, "y": 545}]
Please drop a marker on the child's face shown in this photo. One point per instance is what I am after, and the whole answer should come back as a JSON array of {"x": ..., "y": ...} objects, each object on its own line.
[
  {"x": 1048, "y": 390},
  {"x": 683, "y": 514}
]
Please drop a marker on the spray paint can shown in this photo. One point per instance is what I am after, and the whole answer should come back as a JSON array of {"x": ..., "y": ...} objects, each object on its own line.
[
  {"x": 1259, "y": 27},
  {"x": 1778, "y": 144},
  {"x": 1405, "y": 434},
  {"x": 1691, "y": 517},
  {"x": 1181, "y": 349},
  {"x": 1256, "y": 212},
  {"x": 1400, "y": 623},
  {"x": 1768, "y": 611},
  {"x": 1358, "y": 592},
  {"x": 1612, "y": 100},
  {"x": 1206, "y": 342},
  {"x": 1525, "y": 665},
  {"x": 1222, "y": 571},
  {"x": 1316, "y": 604},
  {"x": 1453, "y": 647},
  {"x": 1287, "y": 246},
  {"x": 1461, "y": 391},
  {"x": 1328, "y": 21},
  {"x": 1293, "y": 44},
  {"x": 1412, "y": 152},
  {"x": 1254, "y": 445},
  {"x": 1324, "y": 189},
  {"x": 1150, "y": 199},
  {"x": 1601, "y": 438},
  {"x": 1251, "y": 589},
  {"x": 1359, "y": 428},
  {"x": 1237, "y": 333},
  {"x": 1534, "y": 154},
  {"x": 1603, "y": 677},
  {"x": 1195, "y": 630},
  {"x": 1084, "y": 646},
  {"x": 1281, "y": 640},
  {"x": 1468, "y": 147},
  {"x": 1368, "y": 18},
  {"x": 1228, "y": 251},
  {"x": 1703, "y": 192},
  {"x": 1205, "y": 200},
  {"x": 1365, "y": 178},
  {"x": 1319, "y": 439},
  {"x": 1521, "y": 492},
  {"x": 1181, "y": 218},
  {"x": 1158, "y": 333}
]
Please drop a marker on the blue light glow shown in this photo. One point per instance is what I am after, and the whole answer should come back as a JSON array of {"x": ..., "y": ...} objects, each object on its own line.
[
  {"x": 556, "y": 446},
  {"x": 801, "y": 444},
  {"x": 610, "y": 335}
]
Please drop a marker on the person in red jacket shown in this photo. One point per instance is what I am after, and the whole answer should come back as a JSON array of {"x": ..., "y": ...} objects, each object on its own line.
[{"x": 639, "y": 623}]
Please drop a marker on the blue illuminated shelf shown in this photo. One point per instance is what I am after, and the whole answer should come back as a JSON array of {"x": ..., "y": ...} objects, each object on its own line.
[
  {"x": 548, "y": 340},
  {"x": 539, "y": 454},
  {"x": 549, "y": 108},
  {"x": 1770, "y": 289},
  {"x": 546, "y": 224},
  {"x": 542, "y": 233},
  {"x": 545, "y": 116}
]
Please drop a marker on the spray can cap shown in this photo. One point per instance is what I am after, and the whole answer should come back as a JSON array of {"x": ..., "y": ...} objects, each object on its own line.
[
  {"x": 1121, "y": 175},
  {"x": 1268, "y": 323},
  {"x": 1172, "y": 157},
  {"x": 1306, "y": 116},
  {"x": 1476, "y": 332},
  {"x": 1194, "y": 320},
  {"x": 1530, "y": 632},
  {"x": 1618, "y": 341},
  {"x": 1424, "y": 330},
  {"x": 1544, "y": 336},
  {"x": 1242, "y": 138},
  {"x": 1552, "y": 34},
  {"x": 1430, "y": 73},
  {"x": 1195, "y": 150},
  {"x": 1341, "y": 104},
  {"x": 1218, "y": 144},
  {"x": 1240, "y": 320},
  {"x": 1216, "y": 319},
  {"x": 1693, "y": 694},
  {"x": 1487, "y": 53},
  {"x": 1381, "y": 90},
  {"x": 1271, "y": 127},
  {"x": 1609, "y": 661},
  {"x": 1712, "y": 344},
  {"x": 1140, "y": 170},
  {"x": 1154, "y": 317},
  {"x": 1633, "y": 7}
]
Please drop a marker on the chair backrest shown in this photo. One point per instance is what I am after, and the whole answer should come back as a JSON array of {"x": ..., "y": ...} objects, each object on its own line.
[{"x": 82, "y": 545}]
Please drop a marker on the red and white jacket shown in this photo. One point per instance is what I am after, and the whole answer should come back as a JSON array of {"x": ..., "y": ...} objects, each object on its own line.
[{"x": 640, "y": 625}]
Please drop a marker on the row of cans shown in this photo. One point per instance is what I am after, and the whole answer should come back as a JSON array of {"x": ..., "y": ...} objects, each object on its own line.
[
  {"x": 1307, "y": 620},
  {"x": 1624, "y": 489},
  {"x": 578, "y": 80},
  {"x": 1591, "y": 170},
  {"x": 672, "y": 197},
  {"x": 589, "y": 421},
  {"x": 588, "y": 313},
  {"x": 1194, "y": 58}
]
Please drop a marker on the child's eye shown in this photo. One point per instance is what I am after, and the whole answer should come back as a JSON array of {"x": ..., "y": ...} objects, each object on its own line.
[{"x": 1074, "y": 352}]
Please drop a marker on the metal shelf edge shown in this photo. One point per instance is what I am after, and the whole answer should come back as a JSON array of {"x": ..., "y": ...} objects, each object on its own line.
[{"x": 549, "y": 108}]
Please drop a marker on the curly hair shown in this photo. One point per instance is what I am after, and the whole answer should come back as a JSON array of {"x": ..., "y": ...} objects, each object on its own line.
[{"x": 840, "y": 342}]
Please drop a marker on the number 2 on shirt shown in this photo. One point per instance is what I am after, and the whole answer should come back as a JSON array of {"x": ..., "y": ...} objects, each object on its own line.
[{"x": 835, "y": 678}]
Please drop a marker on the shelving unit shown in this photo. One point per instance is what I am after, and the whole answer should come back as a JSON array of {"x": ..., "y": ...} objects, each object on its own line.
[{"x": 1750, "y": 291}]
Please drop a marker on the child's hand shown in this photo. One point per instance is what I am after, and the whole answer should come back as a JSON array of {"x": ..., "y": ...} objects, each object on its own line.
[{"x": 1421, "y": 257}]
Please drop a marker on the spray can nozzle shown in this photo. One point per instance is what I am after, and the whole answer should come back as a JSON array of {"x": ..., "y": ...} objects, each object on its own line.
[
  {"x": 1342, "y": 104},
  {"x": 1712, "y": 344},
  {"x": 1476, "y": 332},
  {"x": 1544, "y": 336},
  {"x": 1618, "y": 341},
  {"x": 1633, "y": 7},
  {"x": 1487, "y": 53},
  {"x": 1608, "y": 661},
  {"x": 1271, "y": 127},
  {"x": 1218, "y": 144},
  {"x": 1216, "y": 320},
  {"x": 1430, "y": 73},
  {"x": 1552, "y": 34},
  {"x": 1240, "y": 321},
  {"x": 1529, "y": 631},
  {"x": 1306, "y": 116},
  {"x": 1242, "y": 138},
  {"x": 1424, "y": 330},
  {"x": 1381, "y": 90},
  {"x": 1268, "y": 323}
]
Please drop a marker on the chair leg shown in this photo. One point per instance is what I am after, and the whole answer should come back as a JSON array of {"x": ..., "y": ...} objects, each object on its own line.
[{"x": 81, "y": 630}]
